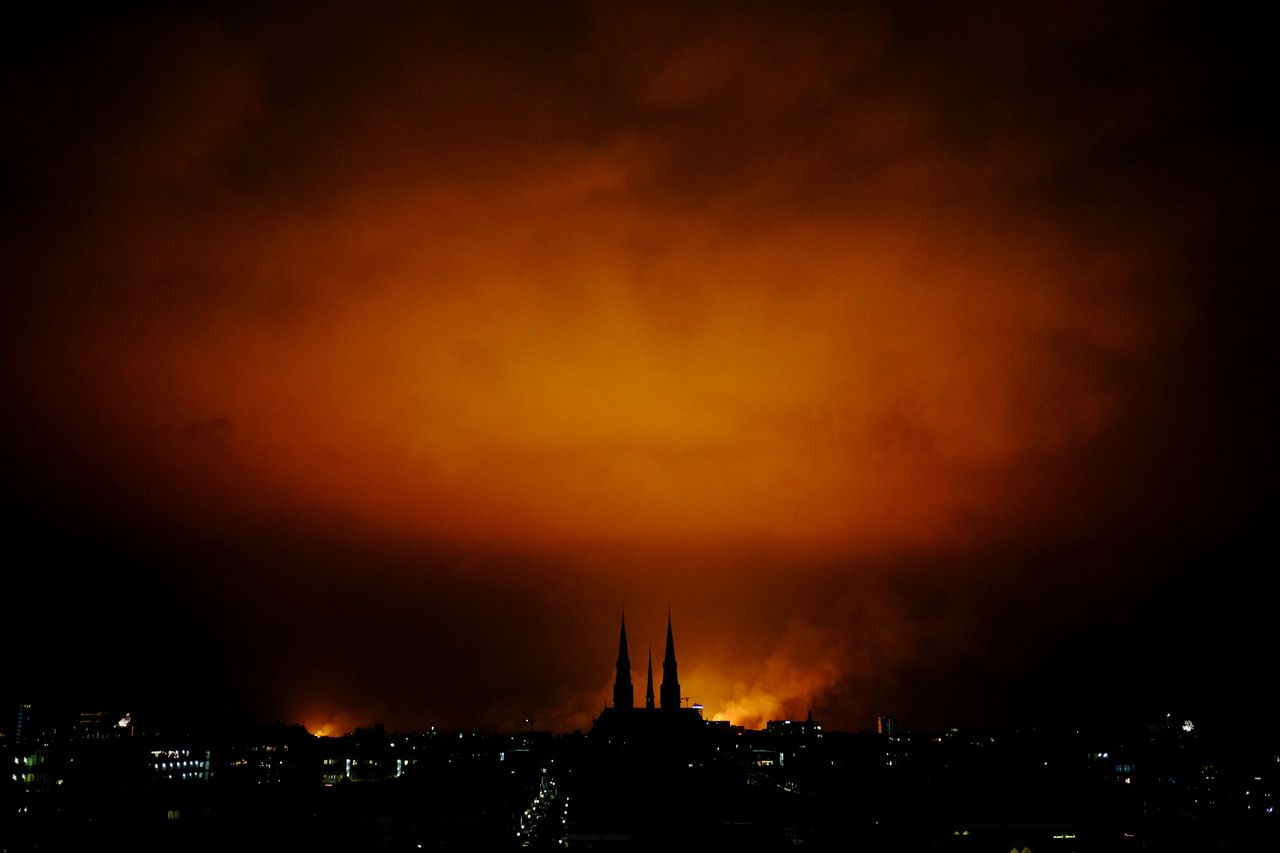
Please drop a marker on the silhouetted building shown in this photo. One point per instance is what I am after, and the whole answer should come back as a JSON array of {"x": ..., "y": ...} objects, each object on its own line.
[
  {"x": 22, "y": 723},
  {"x": 623, "y": 695},
  {"x": 795, "y": 728},
  {"x": 93, "y": 724},
  {"x": 648, "y": 690},
  {"x": 887, "y": 725},
  {"x": 670, "y": 683},
  {"x": 668, "y": 721}
]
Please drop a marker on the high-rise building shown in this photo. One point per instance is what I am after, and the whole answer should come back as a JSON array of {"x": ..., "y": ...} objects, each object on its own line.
[
  {"x": 887, "y": 725},
  {"x": 22, "y": 724}
]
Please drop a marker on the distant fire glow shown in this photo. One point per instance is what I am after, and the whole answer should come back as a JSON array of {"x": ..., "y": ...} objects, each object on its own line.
[{"x": 377, "y": 354}]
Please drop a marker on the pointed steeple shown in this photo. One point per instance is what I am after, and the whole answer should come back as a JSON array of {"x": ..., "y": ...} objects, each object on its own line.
[
  {"x": 670, "y": 682},
  {"x": 623, "y": 694},
  {"x": 648, "y": 691}
]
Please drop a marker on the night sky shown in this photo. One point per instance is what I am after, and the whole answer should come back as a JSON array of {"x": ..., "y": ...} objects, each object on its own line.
[{"x": 360, "y": 364}]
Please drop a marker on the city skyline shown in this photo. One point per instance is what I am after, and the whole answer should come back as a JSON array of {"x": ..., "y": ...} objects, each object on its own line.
[{"x": 642, "y": 778}]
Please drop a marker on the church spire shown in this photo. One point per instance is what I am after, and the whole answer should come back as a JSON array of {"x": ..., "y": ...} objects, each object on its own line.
[
  {"x": 648, "y": 691},
  {"x": 623, "y": 695},
  {"x": 670, "y": 682}
]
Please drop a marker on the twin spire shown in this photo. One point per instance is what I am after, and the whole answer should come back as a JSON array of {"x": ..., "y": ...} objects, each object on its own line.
[
  {"x": 670, "y": 697},
  {"x": 624, "y": 695},
  {"x": 648, "y": 690}
]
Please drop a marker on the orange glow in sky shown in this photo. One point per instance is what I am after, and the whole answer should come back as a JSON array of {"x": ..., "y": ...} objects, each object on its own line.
[
  {"x": 425, "y": 342},
  {"x": 528, "y": 378}
]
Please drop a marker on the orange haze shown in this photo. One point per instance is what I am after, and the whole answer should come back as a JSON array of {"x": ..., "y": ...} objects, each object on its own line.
[{"x": 412, "y": 343}]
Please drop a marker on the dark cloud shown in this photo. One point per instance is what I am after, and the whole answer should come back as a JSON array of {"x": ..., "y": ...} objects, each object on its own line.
[{"x": 359, "y": 363}]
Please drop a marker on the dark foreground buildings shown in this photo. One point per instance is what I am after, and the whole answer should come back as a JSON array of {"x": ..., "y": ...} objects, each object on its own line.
[{"x": 656, "y": 777}]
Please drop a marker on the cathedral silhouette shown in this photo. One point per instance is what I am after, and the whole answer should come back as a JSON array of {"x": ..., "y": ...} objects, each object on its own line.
[{"x": 668, "y": 720}]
